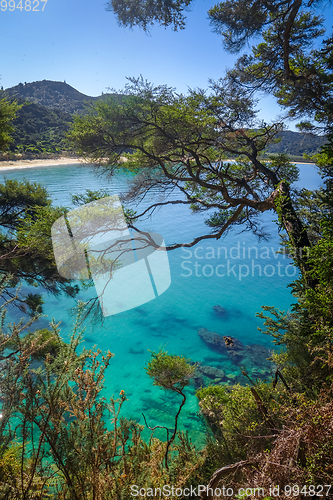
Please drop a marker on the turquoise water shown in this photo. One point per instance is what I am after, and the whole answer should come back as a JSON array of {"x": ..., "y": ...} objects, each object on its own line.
[{"x": 173, "y": 319}]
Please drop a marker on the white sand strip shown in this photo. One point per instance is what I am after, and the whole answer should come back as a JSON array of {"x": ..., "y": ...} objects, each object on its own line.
[{"x": 18, "y": 164}]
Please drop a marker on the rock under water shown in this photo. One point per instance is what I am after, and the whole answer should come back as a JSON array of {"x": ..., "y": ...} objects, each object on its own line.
[{"x": 250, "y": 359}]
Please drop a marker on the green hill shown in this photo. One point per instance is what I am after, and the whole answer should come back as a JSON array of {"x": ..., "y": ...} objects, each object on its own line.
[
  {"x": 296, "y": 143},
  {"x": 47, "y": 112},
  {"x": 39, "y": 129},
  {"x": 54, "y": 95}
]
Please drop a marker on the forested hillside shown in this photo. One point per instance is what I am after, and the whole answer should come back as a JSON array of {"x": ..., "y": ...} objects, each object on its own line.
[
  {"x": 297, "y": 144},
  {"x": 53, "y": 95},
  {"x": 39, "y": 129},
  {"x": 47, "y": 111}
]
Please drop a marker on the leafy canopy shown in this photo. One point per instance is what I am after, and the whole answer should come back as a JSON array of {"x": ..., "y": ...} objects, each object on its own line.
[
  {"x": 26, "y": 253},
  {"x": 143, "y": 13},
  {"x": 182, "y": 143},
  {"x": 292, "y": 60},
  {"x": 18, "y": 199},
  {"x": 169, "y": 371}
]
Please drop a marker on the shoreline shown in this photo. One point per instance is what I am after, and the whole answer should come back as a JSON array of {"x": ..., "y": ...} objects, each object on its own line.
[{"x": 21, "y": 164}]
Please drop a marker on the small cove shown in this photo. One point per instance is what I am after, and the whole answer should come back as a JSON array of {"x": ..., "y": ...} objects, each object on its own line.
[{"x": 235, "y": 273}]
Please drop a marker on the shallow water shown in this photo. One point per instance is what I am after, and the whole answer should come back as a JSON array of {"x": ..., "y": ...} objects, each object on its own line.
[{"x": 254, "y": 275}]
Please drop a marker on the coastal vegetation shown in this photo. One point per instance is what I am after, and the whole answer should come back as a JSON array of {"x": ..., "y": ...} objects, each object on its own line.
[
  {"x": 46, "y": 111},
  {"x": 60, "y": 437}
]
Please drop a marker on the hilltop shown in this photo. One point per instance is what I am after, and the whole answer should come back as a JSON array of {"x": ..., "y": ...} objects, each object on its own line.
[{"x": 52, "y": 95}]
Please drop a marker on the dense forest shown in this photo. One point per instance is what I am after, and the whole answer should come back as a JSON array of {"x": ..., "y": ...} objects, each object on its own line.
[{"x": 270, "y": 437}]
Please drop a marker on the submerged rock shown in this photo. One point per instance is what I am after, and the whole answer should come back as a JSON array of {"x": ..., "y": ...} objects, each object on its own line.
[
  {"x": 220, "y": 311},
  {"x": 232, "y": 343},
  {"x": 235, "y": 348},
  {"x": 136, "y": 351},
  {"x": 198, "y": 381},
  {"x": 212, "y": 339},
  {"x": 211, "y": 372},
  {"x": 258, "y": 350},
  {"x": 205, "y": 375},
  {"x": 250, "y": 358}
]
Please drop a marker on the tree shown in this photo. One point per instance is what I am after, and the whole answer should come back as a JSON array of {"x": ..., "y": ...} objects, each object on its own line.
[
  {"x": 18, "y": 200},
  {"x": 144, "y": 14},
  {"x": 172, "y": 373},
  {"x": 182, "y": 143},
  {"x": 293, "y": 61},
  {"x": 26, "y": 253},
  {"x": 7, "y": 115},
  {"x": 185, "y": 139},
  {"x": 285, "y": 62}
]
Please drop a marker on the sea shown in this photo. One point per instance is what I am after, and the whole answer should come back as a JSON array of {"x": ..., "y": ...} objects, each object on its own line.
[{"x": 217, "y": 285}]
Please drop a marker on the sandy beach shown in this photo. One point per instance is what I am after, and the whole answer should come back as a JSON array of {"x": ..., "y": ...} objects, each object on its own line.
[{"x": 18, "y": 164}]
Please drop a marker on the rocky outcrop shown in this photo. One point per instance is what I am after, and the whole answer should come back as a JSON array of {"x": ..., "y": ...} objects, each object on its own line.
[
  {"x": 251, "y": 358},
  {"x": 212, "y": 339},
  {"x": 235, "y": 348},
  {"x": 136, "y": 351},
  {"x": 211, "y": 372}
]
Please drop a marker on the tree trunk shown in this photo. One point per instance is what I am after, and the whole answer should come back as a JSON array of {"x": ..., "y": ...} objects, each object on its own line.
[{"x": 298, "y": 236}]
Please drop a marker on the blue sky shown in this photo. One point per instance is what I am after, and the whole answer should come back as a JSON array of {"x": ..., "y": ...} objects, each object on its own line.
[{"x": 78, "y": 41}]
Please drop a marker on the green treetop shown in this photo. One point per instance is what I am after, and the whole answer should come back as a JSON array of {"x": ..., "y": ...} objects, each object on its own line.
[{"x": 7, "y": 115}]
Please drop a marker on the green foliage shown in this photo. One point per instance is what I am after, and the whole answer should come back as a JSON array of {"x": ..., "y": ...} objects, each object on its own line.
[
  {"x": 8, "y": 112},
  {"x": 41, "y": 342},
  {"x": 18, "y": 200},
  {"x": 311, "y": 208},
  {"x": 45, "y": 341},
  {"x": 145, "y": 14},
  {"x": 285, "y": 61},
  {"x": 235, "y": 416},
  {"x": 26, "y": 216},
  {"x": 69, "y": 441},
  {"x": 35, "y": 303},
  {"x": 38, "y": 129},
  {"x": 89, "y": 196},
  {"x": 324, "y": 159},
  {"x": 293, "y": 356},
  {"x": 169, "y": 371}
]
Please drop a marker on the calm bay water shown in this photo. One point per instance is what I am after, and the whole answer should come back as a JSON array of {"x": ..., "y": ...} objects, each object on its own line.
[{"x": 236, "y": 272}]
